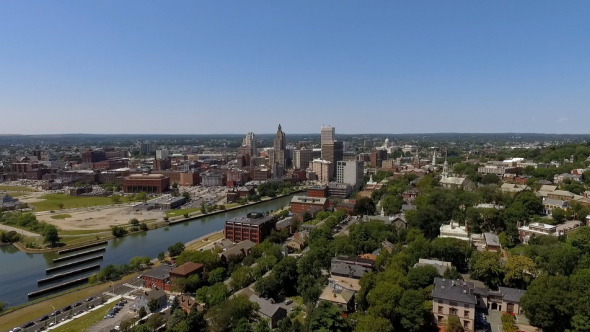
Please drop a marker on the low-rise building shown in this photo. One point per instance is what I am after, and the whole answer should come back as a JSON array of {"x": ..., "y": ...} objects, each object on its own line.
[
  {"x": 454, "y": 298},
  {"x": 527, "y": 232},
  {"x": 149, "y": 183},
  {"x": 300, "y": 204},
  {"x": 255, "y": 227},
  {"x": 158, "y": 277},
  {"x": 269, "y": 310},
  {"x": 186, "y": 270},
  {"x": 454, "y": 230}
]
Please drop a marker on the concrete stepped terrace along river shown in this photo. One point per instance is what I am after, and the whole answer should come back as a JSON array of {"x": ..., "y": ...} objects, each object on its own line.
[{"x": 20, "y": 271}]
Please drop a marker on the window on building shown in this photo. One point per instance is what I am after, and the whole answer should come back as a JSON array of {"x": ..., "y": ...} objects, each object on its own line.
[
  {"x": 466, "y": 324},
  {"x": 440, "y": 309},
  {"x": 453, "y": 311},
  {"x": 466, "y": 313}
]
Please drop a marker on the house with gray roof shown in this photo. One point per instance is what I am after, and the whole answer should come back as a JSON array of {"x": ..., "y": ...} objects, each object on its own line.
[{"x": 267, "y": 309}]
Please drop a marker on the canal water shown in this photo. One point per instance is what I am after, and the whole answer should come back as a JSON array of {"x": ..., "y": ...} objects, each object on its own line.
[{"x": 19, "y": 271}]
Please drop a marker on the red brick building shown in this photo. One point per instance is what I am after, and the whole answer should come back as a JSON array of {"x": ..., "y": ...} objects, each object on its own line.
[
  {"x": 150, "y": 183},
  {"x": 318, "y": 191},
  {"x": 377, "y": 157},
  {"x": 186, "y": 270},
  {"x": 158, "y": 278},
  {"x": 254, "y": 227},
  {"x": 300, "y": 204}
]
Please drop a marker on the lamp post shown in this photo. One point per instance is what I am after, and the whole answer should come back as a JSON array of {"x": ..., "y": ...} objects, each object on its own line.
[{"x": 55, "y": 316}]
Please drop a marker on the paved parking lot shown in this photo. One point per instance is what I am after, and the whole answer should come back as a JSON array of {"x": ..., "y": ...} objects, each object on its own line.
[{"x": 109, "y": 323}]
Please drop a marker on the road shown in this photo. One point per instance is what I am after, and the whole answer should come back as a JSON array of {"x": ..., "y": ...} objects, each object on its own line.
[
  {"x": 19, "y": 231},
  {"x": 76, "y": 309}
]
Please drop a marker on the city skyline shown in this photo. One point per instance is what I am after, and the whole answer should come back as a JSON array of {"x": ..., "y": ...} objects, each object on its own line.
[{"x": 233, "y": 68}]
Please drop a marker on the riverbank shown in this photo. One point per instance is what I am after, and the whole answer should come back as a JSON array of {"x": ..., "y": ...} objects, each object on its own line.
[{"x": 95, "y": 237}]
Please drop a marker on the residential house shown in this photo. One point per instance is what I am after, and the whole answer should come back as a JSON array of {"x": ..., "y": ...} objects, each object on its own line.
[
  {"x": 341, "y": 293},
  {"x": 456, "y": 298},
  {"x": 513, "y": 188},
  {"x": 156, "y": 294},
  {"x": 269, "y": 310},
  {"x": 505, "y": 299},
  {"x": 549, "y": 204},
  {"x": 186, "y": 303},
  {"x": 454, "y": 230},
  {"x": 538, "y": 229},
  {"x": 243, "y": 248},
  {"x": 440, "y": 266}
]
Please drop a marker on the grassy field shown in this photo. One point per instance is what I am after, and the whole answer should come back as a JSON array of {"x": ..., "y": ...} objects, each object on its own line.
[
  {"x": 34, "y": 311},
  {"x": 52, "y": 202},
  {"x": 84, "y": 322},
  {"x": 61, "y": 216},
  {"x": 201, "y": 243},
  {"x": 16, "y": 188},
  {"x": 180, "y": 212}
]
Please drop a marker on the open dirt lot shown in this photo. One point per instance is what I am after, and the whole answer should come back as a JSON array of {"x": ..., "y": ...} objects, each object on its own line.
[{"x": 101, "y": 218}]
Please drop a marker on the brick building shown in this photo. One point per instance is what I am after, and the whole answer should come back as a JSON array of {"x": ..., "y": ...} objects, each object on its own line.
[
  {"x": 150, "y": 183},
  {"x": 254, "y": 227},
  {"x": 158, "y": 277},
  {"x": 317, "y": 191},
  {"x": 377, "y": 157},
  {"x": 186, "y": 270},
  {"x": 300, "y": 204}
]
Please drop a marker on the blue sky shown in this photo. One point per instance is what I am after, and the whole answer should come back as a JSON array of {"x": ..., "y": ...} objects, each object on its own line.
[{"x": 200, "y": 67}]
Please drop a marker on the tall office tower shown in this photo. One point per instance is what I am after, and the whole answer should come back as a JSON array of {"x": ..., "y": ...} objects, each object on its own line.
[
  {"x": 322, "y": 168},
  {"x": 162, "y": 154},
  {"x": 332, "y": 150},
  {"x": 302, "y": 157},
  {"x": 147, "y": 148},
  {"x": 277, "y": 154},
  {"x": 350, "y": 172},
  {"x": 327, "y": 134},
  {"x": 250, "y": 141}
]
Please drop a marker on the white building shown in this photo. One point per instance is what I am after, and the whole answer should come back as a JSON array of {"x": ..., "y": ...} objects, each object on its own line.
[
  {"x": 454, "y": 230},
  {"x": 350, "y": 172}
]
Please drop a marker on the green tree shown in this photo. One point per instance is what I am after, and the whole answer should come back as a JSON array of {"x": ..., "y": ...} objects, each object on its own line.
[
  {"x": 176, "y": 249},
  {"x": 580, "y": 239},
  {"x": 141, "y": 196},
  {"x": 558, "y": 215},
  {"x": 548, "y": 303},
  {"x": 262, "y": 326},
  {"x": 225, "y": 316},
  {"x": 153, "y": 305},
  {"x": 370, "y": 323},
  {"x": 186, "y": 195},
  {"x": 519, "y": 271},
  {"x": 141, "y": 312},
  {"x": 327, "y": 317},
  {"x": 177, "y": 317},
  {"x": 195, "y": 321},
  {"x": 485, "y": 266},
  {"x": 116, "y": 199},
  {"x": 161, "y": 256},
  {"x": 212, "y": 295},
  {"x": 50, "y": 235},
  {"x": 508, "y": 323},
  {"x": 453, "y": 324},
  {"x": 364, "y": 206},
  {"x": 2, "y": 307},
  {"x": 216, "y": 275},
  {"x": 136, "y": 263},
  {"x": 422, "y": 276},
  {"x": 118, "y": 231},
  {"x": 411, "y": 310},
  {"x": 241, "y": 277},
  {"x": 134, "y": 222}
]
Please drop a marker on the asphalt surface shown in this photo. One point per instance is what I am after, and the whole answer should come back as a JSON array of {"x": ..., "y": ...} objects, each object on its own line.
[
  {"x": 74, "y": 311},
  {"x": 40, "y": 323}
]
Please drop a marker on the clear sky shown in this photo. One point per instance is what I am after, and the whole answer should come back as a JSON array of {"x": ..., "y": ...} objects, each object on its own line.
[{"x": 200, "y": 67}]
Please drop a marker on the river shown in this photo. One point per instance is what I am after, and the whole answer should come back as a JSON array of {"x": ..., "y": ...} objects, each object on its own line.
[{"x": 19, "y": 271}]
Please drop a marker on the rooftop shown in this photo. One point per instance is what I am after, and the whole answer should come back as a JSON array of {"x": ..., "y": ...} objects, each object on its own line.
[
  {"x": 187, "y": 268},
  {"x": 250, "y": 221},
  {"x": 454, "y": 290},
  {"x": 160, "y": 272}
]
